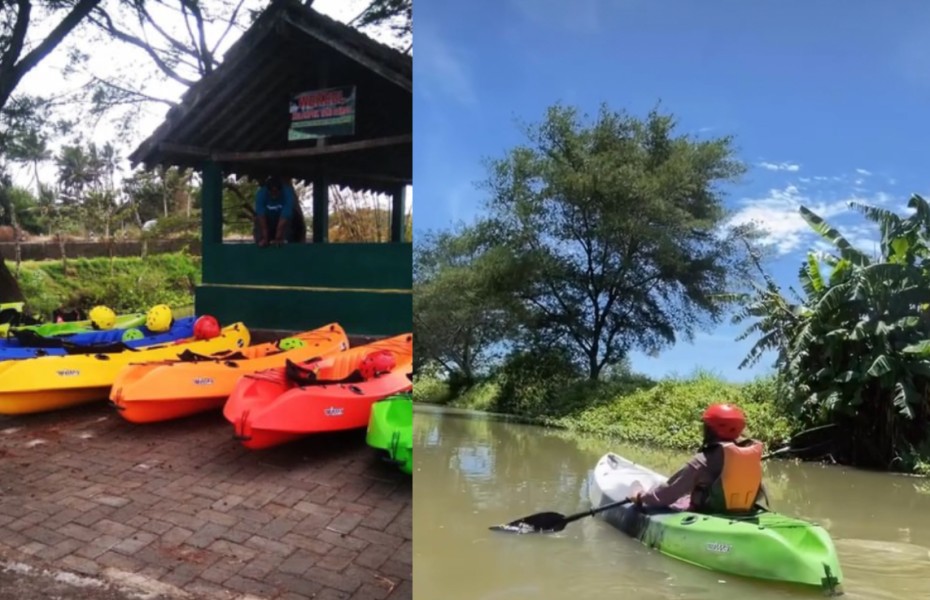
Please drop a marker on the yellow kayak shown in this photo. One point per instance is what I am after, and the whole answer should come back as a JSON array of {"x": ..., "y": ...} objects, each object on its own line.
[{"x": 52, "y": 382}]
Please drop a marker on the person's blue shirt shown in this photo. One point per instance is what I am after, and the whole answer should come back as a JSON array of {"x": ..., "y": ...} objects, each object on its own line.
[{"x": 275, "y": 208}]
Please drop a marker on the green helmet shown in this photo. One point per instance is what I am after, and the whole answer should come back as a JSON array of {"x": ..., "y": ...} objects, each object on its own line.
[
  {"x": 132, "y": 334},
  {"x": 291, "y": 343}
]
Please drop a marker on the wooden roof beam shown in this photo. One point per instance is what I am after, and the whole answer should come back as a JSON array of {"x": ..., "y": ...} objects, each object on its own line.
[
  {"x": 371, "y": 64},
  {"x": 393, "y": 140}
]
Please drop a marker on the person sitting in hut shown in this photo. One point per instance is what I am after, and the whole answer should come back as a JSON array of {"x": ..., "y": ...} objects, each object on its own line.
[{"x": 274, "y": 213}]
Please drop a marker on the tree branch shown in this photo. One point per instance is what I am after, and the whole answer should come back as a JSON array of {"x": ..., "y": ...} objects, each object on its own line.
[
  {"x": 145, "y": 17},
  {"x": 18, "y": 37},
  {"x": 205, "y": 57},
  {"x": 229, "y": 26},
  {"x": 141, "y": 96},
  {"x": 133, "y": 40},
  {"x": 10, "y": 79}
]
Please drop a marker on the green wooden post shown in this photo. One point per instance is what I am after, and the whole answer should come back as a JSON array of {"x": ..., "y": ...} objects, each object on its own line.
[
  {"x": 320, "y": 210},
  {"x": 397, "y": 214},
  {"x": 212, "y": 204}
]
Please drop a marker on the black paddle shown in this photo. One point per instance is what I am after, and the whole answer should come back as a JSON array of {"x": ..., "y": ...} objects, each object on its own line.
[{"x": 551, "y": 522}]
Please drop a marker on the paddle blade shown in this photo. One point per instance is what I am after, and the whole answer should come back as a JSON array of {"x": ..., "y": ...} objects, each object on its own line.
[{"x": 544, "y": 522}]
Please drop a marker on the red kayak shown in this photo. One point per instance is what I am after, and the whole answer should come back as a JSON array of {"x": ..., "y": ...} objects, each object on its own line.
[{"x": 334, "y": 393}]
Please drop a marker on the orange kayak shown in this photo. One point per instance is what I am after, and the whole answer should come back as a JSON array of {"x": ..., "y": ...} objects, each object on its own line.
[
  {"x": 160, "y": 391},
  {"x": 335, "y": 393}
]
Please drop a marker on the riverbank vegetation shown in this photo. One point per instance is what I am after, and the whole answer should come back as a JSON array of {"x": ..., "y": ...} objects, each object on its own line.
[
  {"x": 630, "y": 408},
  {"x": 608, "y": 236}
]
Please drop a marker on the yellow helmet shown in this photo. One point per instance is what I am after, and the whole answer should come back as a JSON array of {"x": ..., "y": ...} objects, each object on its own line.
[
  {"x": 159, "y": 318},
  {"x": 102, "y": 317}
]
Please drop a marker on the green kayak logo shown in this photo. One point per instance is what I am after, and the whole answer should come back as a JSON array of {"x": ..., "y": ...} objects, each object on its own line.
[{"x": 718, "y": 547}]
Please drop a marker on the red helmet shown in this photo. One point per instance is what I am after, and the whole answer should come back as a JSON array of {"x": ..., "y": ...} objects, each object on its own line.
[
  {"x": 206, "y": 328},
  {"x": 725, "y": 420},
  {"x": 377, "y": 363}
]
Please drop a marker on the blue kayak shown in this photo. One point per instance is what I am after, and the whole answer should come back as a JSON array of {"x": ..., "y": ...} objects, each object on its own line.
[{"x": 30, "y": 345}]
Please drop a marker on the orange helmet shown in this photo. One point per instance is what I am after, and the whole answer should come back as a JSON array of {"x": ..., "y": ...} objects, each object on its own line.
[{"x": 725, "y": 420}]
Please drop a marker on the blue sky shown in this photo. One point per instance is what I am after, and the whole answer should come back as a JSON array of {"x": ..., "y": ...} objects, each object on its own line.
[{"x": 827, "y": 105}]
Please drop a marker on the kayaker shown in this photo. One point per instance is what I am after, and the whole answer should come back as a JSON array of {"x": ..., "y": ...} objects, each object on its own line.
[
  {"x": 725, "y": 476},
  {"x": 274, "y": 212}
]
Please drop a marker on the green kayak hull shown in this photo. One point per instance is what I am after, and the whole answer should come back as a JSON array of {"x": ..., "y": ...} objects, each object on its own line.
[
  {"x": 390, "y": 428},
  {"x": 765, "y": 545},
  {"x": 69, "y": 327}
]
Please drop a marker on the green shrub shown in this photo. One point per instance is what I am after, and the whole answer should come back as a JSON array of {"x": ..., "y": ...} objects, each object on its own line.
[
  {"x": 669, "y": 413},
  {"x": 431, "y": 389},
  {"x": 533, "y": 383},
  {"x": 124, "y": 284}
]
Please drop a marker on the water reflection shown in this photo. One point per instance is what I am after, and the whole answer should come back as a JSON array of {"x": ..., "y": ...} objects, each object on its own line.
[{"x": 471, "y": 473}]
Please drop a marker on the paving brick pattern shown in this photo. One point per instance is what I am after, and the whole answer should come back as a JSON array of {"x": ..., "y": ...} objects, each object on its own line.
[{"x": 184, "y": 504}]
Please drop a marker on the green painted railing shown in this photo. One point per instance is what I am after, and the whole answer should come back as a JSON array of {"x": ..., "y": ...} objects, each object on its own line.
[{"x": 364, "y": 287}]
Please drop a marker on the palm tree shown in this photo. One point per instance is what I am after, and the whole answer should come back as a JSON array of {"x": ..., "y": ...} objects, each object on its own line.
[{"x": 28, "y": 147}]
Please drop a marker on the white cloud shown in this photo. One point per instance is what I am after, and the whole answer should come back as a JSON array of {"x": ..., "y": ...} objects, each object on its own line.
[
  {"x": 782, "y": 166},
  {"x": 579, "y": 16},
  {"x": 777, "y": 215},
  {"x": 863, "y": 172},
  {"x": 442, "y": 69}
]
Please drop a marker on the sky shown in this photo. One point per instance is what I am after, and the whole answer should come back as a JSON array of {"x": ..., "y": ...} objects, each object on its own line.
[{"x": 828, "y": 102}]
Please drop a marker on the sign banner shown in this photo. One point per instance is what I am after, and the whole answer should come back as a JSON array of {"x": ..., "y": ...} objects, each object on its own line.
[{"x": 322, "y": 113}]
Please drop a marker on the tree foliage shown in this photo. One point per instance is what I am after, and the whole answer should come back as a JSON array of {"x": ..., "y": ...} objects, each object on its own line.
[
  {"x": 853, "y": 345},
  {"x": 396, "y": 14},
  {"x": 457, "y": 317},
  {"x": 616, "y": 232}
]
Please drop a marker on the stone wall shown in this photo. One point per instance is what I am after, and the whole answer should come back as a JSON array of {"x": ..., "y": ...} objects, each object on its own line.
[{"x": 49, "y": 250}]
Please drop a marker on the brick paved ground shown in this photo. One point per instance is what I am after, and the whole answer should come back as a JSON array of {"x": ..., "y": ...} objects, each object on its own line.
[{"x": 182, "y": 506}]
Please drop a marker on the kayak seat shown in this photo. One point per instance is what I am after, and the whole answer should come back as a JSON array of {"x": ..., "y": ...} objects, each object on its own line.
[{"x": 308, "y": 377}]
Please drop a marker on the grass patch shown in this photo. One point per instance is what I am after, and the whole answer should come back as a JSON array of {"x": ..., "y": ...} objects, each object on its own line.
[{"x": 125, "y": 284}]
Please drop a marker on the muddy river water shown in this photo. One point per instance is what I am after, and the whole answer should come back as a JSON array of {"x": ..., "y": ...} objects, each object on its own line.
[{"x": 471, "y": 472}]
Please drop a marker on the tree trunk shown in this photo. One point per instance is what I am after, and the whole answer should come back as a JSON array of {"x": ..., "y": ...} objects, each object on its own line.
[
  {"x": 164, "y": 191},
  {"x": 17, "y": 244},
  {"x": 9, "y": 287},
  {"x": 594, "y": 365},
  {"x": 61, "y": 247}
]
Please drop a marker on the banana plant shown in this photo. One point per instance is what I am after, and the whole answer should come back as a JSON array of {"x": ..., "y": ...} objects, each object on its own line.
[{"x": 855, "y": 347}]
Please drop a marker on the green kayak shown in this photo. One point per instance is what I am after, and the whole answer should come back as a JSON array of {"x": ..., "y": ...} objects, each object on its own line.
[
  {"x": 69, "y": 327},
  {"x": 390, "y": 428},
  {"x": 765, "y": 545}
]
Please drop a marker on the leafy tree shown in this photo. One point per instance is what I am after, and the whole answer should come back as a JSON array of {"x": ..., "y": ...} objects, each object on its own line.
[
  {"x": 616, "y": 232},
  {"x": 457, "y": 318},
  {"x": 854, "y": 345},
  {"x": 19, "y": 203}
]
